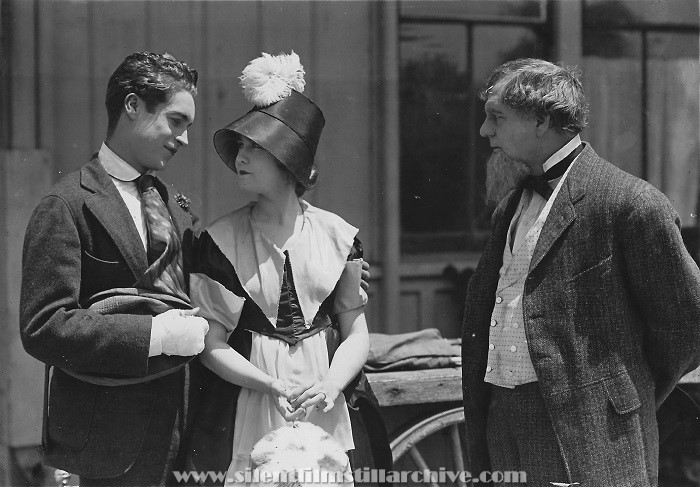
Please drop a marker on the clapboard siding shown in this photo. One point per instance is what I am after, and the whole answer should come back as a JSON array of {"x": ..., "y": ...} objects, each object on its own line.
[
  {"x": 347, "y": 156},
  {"x": 79, "y": 43},
  {"x": 72, "y": 106},
  {"x": 82, "y": 42},
  {"x": 59, "y": 107},
  {"x": 89, "y": 39},
  {"x": 63, "y": 55}
]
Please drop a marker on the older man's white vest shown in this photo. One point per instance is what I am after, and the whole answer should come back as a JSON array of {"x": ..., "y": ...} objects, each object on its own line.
[{"x": 509, "y": 363}]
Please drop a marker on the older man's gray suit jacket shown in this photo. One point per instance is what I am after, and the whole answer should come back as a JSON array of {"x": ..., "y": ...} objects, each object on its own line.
[{"x": 612, "y": 316}]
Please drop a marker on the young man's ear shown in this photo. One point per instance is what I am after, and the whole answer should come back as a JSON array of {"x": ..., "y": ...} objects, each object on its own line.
[
  {"x": 131, "y": 105},
  {"x": 542, "y": 125}
]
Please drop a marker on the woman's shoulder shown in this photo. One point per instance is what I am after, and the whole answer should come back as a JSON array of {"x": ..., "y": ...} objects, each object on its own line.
[
  {"x": 335, "y": 231},
  {"x": 233, "y": 218},
  {"x": 327, "y": 220},
  {"x": 222, "y": 234}
]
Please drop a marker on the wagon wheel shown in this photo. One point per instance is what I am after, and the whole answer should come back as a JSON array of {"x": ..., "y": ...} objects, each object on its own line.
[{"x": 414, "y": 442}]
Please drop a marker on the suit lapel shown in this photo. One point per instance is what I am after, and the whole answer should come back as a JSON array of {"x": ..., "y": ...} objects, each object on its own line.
[
  {"x": 563, "y": 211},
  {"x": 107, "y": 205}
]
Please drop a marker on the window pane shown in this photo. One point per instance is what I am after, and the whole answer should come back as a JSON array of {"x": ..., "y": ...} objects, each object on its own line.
[
  {"x": 612, "y": 79},
  {"x": 501, "y": 10},
  {"x": 493, "y": 45},
  {"x": 433, "y": 127},
  {"x": 442, "y": 156},
  {"x": 673, "y": 128},
  {"x": 598, "y": 13}
]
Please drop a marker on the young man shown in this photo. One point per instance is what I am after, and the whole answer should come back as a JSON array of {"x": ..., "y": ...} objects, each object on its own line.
[
  {"x": 584, "y": 311},
  {"x": 102, "y": 268}
]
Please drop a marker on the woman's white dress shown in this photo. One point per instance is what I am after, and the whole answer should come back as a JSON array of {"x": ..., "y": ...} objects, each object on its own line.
[{"x": 318, "y": 255}]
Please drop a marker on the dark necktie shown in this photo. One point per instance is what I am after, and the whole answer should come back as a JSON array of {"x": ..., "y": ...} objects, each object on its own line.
[
  {"x": 541, "y": 183},
  {"x": 164, "y": 247}
]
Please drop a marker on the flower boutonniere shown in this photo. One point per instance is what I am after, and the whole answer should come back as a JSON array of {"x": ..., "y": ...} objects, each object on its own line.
[
  {"x": 183, "y": 201},
  {"x": 186, "y": 205}
]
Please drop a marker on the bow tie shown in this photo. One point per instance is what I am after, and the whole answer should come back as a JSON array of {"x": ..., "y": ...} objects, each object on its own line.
[{"x": 541, "y": 183}]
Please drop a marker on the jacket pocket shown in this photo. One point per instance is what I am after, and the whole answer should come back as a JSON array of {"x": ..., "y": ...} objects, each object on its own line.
[
  {"x": 594, "y": 271},
  {"x": 99, "y": 274},
  {"x": 91, "y": 257},
  {"x": 71, "y": 408},
  {"x": 622, "y": 393}
]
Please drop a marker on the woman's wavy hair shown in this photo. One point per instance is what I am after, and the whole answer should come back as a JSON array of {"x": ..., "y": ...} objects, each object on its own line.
[
  {"x": 539, "y": 88},
  {"x": 150, "y": 76},
  {"x": 299, "y": 187}
]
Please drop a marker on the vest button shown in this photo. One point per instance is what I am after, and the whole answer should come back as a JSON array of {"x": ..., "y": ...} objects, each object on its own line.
[{"x": 491, "y": 346}]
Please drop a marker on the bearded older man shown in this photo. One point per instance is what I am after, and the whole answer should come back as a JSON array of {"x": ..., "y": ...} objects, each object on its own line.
[{"x": 584, "y": 310}]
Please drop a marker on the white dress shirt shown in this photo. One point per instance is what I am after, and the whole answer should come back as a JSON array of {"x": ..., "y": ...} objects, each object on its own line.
[{"x": 124, "y": 178}]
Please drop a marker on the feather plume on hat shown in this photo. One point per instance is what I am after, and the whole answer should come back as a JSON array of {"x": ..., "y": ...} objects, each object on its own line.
[{"x": 268, "y": 79}]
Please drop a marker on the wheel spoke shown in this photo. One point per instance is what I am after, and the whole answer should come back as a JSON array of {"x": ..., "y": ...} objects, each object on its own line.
[
  {"x": 420, "y": 462},
  {"x": 447, "y": 423},
  {"x": 457, "y": 452}
]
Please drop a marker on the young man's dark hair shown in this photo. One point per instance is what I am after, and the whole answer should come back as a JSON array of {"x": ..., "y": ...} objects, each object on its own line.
[{"x": 150, "y": 76}]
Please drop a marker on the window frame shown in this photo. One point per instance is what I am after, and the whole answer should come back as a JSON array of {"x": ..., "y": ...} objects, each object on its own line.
[{"x": 472, "y": 239}]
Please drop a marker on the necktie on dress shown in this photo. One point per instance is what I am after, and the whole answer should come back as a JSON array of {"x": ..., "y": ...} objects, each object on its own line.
[
  {"x": 541, "y": 183},
  {"x": 164, "y": 247}
]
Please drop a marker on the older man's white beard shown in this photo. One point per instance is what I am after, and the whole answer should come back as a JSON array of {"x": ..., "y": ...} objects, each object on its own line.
[{"x": 503, "y": 175}]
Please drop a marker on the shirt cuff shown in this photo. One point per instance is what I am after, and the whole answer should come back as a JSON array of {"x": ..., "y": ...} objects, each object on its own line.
[{"x": 156, "y": 346}]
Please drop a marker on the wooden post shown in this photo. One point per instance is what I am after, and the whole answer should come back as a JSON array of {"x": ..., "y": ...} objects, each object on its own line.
[
  {"x": 391, "y": 252},
  {"x": 46, "y": 76},
  {"x": 25, "y": 175},
  {"x": 568, "y": 31},
  {"x": 23, "y": 81},
  {"x": 4, "y": 377}
]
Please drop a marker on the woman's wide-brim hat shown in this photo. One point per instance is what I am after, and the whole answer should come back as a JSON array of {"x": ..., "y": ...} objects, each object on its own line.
[{"x": 283, "y": 121}]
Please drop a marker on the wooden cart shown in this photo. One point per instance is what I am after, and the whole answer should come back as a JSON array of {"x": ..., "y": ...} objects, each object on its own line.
[{"x": 424, "y": 416}]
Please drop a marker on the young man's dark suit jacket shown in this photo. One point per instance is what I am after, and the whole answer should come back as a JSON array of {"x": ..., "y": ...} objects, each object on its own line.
[
  {"x": 612, "y": 317},
  {"x": 81, "y": 240}
]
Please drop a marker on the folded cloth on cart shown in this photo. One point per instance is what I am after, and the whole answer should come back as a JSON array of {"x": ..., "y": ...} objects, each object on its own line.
[{"x": 424, "y": 349}]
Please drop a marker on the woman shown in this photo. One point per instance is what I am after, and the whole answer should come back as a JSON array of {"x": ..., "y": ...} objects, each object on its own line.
[{"x": 279, "y": 279}]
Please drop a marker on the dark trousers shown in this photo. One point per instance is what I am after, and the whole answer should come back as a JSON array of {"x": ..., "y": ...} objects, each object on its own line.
[
  {"x": 156, "y": 460},
  {"x": 521, "y": 437}
]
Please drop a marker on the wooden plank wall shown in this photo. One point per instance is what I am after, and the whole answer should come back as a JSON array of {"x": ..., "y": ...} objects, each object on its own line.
[
  {"x": 23, "y": 375},
  {"x": 63, "y": 52},
  {"x": 336, "y": 41},
  {"x": 88, "y": 40},
  {"x": 66, "y": 51},
  {"x": 82, "y": 42}
]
